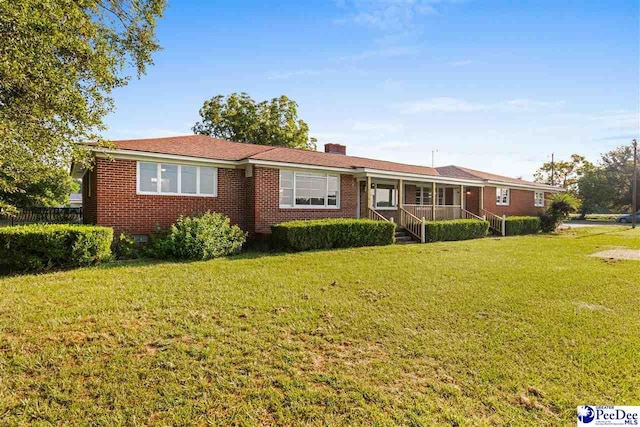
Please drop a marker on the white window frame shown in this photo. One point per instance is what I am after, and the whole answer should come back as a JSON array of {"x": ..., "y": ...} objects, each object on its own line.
[
  {"x": 441, "y": 196},
  {"x": 179, "y": 193},
  {"x": 538, "y": 199},
  {"x": 500, "y": 193},
  {"x": 293, "y": 204},
  {"x": 421, "y": 193},
  {"x": 375, "y": 197}
]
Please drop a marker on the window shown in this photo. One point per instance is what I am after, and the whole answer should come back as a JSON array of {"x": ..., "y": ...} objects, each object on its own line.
[
  {"x": 423, "y": 196},
  {"x": 309, "y": 190},
  {"x": 502, "y": 196},
  {"x": 189, "y": 179},
  {"x": 441, "y": 196},
  {"x": 208, "y": 180},
  {"x": 538, "y": 199},
  {"x": 148, "y": 177},
  {"x": 384, "y": 195},
  {"x": 174, "y": 179},
  {"x": 168, "y": 178}
]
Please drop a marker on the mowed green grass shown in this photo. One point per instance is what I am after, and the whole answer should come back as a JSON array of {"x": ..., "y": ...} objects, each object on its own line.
[{"x": 498, "y": 331}]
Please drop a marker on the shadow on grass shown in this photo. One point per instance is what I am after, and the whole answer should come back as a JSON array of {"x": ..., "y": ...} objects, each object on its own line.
[{"x": 613, "y": 231}]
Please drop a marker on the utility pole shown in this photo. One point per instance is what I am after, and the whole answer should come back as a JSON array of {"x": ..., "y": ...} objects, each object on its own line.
[
  {"x": 553, "y": 170},
  {"x": 634, "y": 195}
]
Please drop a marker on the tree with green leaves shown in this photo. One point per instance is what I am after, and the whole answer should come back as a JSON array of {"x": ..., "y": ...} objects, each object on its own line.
[
  {"x": 565, "y": 173},
  {"x": 59, "y": 62},
  {"x": 617, "y": 166},
  {"x": 238, "y": 117},
  {"x": 594, "y": 191}
]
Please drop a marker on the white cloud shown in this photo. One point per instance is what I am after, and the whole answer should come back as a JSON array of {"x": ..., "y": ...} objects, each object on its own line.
[
  {"x": 387, "y": 15},
  {"x": 457, "y": 105}
]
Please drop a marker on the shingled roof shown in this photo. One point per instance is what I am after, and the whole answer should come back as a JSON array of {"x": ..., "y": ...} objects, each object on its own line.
[{"x": 202, "y": 146}]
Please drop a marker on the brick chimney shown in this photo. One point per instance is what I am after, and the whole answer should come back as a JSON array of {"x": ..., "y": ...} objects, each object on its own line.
[{"x": 332, "y": 148}]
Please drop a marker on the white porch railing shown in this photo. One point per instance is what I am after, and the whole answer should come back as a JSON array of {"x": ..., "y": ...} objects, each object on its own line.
[
  {"x": 442, "y": 212},
  {"x": 470, "y": 215},
  {"x": 413, "y": 224},
  {"x": 375, "y": 215},
  {"x": 498, "y": 223}
]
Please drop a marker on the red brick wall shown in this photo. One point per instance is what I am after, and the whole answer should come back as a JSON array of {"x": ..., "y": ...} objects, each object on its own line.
[
  {"x": 521, "y": 203},
  {"x": 89, "y": 199},
  {"x": 409, "y": 194},
  {"x": 119, "y": 206},
  {"x": 267, "y": 201},
  {"x": 472, "y": 200}
]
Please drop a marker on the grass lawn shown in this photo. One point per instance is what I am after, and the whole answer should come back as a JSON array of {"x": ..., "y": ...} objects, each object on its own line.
[{"x": 516, "y": 330}]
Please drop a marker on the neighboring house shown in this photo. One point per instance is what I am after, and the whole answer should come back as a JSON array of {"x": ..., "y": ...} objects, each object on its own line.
[{"x": 143, "y": 185}]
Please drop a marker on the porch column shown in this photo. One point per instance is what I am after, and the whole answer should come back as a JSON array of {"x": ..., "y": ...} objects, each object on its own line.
[
  {"x": 368, "y": 193},
  {"x": 400, "y": 196},
  {"x": 434, "y": 200},
  {"x": 481, "y": 201},
  {"x": 462, "y": 196}
]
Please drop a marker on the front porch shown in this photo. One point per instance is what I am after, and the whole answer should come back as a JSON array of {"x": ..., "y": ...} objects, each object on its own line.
[{"x": 410, "y": 204}]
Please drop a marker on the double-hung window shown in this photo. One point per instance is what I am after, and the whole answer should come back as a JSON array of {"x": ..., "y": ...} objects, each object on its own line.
[
  {"x": 502, "y": 196},
  {"x": 176, "y": 179},
  {"x": 538, "y": 199},
  {"x": 309, "y": 190}
]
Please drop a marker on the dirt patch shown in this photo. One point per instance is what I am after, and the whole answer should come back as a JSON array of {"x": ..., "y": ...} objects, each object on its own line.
[
  {"x": 592, "y": 307},
  {"x": 617, "y": 254}
]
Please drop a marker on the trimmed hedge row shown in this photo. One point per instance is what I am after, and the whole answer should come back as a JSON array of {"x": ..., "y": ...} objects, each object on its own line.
[
  {"x": 517, "y": 225},
  {"x": 39, "y": 247},
  {"x": 457, "y": 229},
  {"x": 332, "y": 233}
]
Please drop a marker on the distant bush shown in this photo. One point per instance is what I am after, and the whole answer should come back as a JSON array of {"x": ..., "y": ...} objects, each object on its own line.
[
  {"x": 40, "y": 247},
  {"x": 517, "y": 225},
  {"x": 208, "y": 236},
  {"x": 457, "y": 229},
  {"x": 560, "y": 207},
  {"x": 332, "y": 233}
]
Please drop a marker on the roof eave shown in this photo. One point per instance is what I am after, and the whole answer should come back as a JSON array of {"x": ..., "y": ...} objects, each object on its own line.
[{"x": 527, "y": 185}]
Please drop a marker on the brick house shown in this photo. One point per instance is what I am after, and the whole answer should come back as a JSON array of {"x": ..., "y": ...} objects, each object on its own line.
[{"x": 139, "y": 186}]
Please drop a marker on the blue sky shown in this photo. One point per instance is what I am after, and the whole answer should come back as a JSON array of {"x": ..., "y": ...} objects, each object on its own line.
[{"x": 492, "y": 85}]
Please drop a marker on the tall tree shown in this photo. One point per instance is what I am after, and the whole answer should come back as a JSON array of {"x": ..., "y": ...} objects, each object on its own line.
[
  {"x": 617, "y": 166},
  {"x": 59, "y": 62},
  {"x": 594, "y": 191},
  {"x": 565, "y": 173},
  {"x": 238, "y": 117}
]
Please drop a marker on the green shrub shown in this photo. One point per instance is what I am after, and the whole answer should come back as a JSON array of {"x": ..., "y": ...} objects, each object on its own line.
[
  {"x": 517, "y": 225},
  {"x": 457, "y": 229},
  {"x": 124, "y": 247},
  {"x": 332, "y": 233},
  {"x": 560, "y": 207},
  {"x": 208, "y": 236},
  {"x": 39, "y": 247}
]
